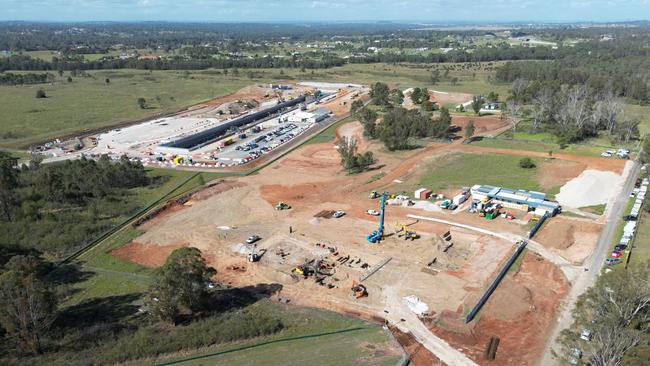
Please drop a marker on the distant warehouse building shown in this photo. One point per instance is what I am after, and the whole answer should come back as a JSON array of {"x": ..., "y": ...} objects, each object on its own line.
[
  {"x": 518, "y": 199},
  {"x": 186, "y": 144},
  {"x": 310, "y": 117}
]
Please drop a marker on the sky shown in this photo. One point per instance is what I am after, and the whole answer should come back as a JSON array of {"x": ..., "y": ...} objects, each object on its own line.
[{"x": 425, "y": 11}]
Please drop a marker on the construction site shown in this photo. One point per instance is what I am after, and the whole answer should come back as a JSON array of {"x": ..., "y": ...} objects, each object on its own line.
[
  {"x": 474, "y": 273},
  {"x": 224, "y": 132}
]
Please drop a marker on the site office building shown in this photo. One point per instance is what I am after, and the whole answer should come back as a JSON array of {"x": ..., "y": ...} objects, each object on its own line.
[{"x": 517, "y": 199}]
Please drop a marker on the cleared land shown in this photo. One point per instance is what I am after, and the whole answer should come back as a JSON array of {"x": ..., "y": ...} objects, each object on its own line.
[{"x": 311, "y": 180}]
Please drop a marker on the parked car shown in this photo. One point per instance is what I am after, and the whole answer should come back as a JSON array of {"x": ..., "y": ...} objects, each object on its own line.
[
  {"x": 402, "y": 197},
  {"x": 373, "y": 213},
  {"x": 338, "y": 214},
  {"x": 612, "y": 260},
  {"x": 606, "y": 154},
  {"x": 586, "y": 335},
  {"x": 452, "y": 207},
  {"x": 620, "y": 247},
  {"x": 252, "y": 239},
  {"x": 575, "y": 356}
]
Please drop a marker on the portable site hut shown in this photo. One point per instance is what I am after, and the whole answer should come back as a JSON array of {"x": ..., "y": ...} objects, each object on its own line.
[{"x": 423, "y": 193}]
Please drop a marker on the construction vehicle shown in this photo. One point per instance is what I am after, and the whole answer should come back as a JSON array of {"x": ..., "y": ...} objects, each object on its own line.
[
  {"x": 403, "y": 230},
  {"x": 373, "y": 195},
  {"x": 253, "y": 256},
  {"x": 359, "y": 290},
  {"x": 378, "y": 234},
  {"x": 282, "y": 206}
]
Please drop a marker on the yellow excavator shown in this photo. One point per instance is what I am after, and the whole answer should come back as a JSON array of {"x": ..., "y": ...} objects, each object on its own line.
[{"x": 403, "y": 230}]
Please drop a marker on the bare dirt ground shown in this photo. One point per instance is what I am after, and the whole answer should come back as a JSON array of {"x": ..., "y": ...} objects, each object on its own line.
[
  {"x": 418, "y": 355},
  {"x": 151, "y": 256},
  {"x": 447, "y": 278},
  {"x": 572, "y": 238},
  {"x": 449, "y": 97},
  {"x": 250, "y": 92},
  {"x": 557, "y": 172},
  {"x": 482, "y": 124},
  {"x": 519, "y": 313}
]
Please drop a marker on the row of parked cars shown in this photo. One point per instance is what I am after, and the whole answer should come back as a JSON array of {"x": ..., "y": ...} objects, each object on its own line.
[
  {"x": 621, "y": 153},
  {"x": 281, "y": 132},
  {"x": 640, "y": 190},
  {"x": 641, "y": 187}
]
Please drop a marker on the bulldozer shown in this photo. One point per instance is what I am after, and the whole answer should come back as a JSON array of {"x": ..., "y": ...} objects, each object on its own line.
[
  {"x": 359, "y": 290},
  {"x": 282, "y": 206}
]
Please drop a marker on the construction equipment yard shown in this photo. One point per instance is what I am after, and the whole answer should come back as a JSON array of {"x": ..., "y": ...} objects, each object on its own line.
[{"x": 425, "y": 286}]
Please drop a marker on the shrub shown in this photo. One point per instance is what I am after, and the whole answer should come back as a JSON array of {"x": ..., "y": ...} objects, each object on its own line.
[
  {"x": 527, "y": 163},
  {"x": 40, "y": 93}
]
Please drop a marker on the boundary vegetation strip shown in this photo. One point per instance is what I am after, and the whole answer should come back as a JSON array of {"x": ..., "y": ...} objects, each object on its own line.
[
  {"x": 281, "y": 340},
  {"x": 124, "y": 223}
]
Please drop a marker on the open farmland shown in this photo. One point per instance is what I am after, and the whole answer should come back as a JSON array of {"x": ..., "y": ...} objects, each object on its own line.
[{"x": 89, "y": 103}]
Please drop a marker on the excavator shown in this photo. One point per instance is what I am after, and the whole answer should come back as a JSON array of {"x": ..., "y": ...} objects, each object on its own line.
[
  {"x": 378, "y": 234},
  {"x": 403, "y": 230},
  {"x": 358, "y": 290}
]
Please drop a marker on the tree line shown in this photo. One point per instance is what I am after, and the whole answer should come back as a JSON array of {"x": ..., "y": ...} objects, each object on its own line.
[
  {"x": 56, "y": 208},
  {"x": 29, "y": 78},
  {"x": 627, "y": 76},
  {"x": 398, "y": 125},
  {"x": 571, "y": 112},
  {"x": 617, "y": 312}
]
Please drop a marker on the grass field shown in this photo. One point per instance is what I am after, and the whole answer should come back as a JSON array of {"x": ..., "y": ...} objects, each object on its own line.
[
  {"x": 458, "y": 170},
  {"x": 88, "y": 102},
  {"x": 502, "y": 143},
  {"x": 640, "y": 112},
  {"x": 641, "y": 251},
  {"x": 350, "y": 348},
  {"x": 596, "y": 209}
]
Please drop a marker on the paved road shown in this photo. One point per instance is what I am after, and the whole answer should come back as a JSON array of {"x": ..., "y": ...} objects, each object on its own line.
[{"x": 586, "y": 279}]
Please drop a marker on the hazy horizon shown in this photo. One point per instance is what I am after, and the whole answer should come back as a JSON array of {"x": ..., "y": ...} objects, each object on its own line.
[{"x": 344, "y": 11}]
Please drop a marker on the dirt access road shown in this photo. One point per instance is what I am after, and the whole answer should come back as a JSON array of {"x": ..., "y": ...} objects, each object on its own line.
[{"x": 405, "y": 320}]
